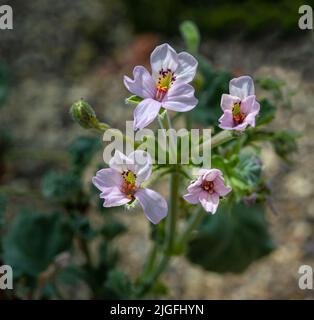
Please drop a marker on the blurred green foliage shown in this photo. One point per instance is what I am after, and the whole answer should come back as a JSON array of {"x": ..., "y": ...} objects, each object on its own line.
[
  {"x": 4, "y": 83},
  {"x": 34, "y": 240},
  {"x": 216, "y": 17}
]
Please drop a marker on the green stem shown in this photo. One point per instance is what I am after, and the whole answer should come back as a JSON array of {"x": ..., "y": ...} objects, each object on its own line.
[
  {"x": 172, "y": 217},
  {"x": 150, "y": 260},
  {"x": 193, "y": 223},
  {"x": 218, "y": 139},
  {"x": 221, "y": 137},
  {"x": 147, "y": 283}
]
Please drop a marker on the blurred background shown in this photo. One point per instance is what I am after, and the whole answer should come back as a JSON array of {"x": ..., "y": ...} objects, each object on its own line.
[{"x": 60, "y": 51}]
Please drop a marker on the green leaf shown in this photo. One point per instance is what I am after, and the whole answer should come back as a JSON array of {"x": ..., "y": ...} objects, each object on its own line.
[
  {"x": 34, "y": 240},
  {"x": 249, "y": 168},
  {"x": 231, "y": 241},
  {"x": 285, "y": 143},
  {"x": 82, "y": 228},
  {"x": 191, "y": 36},
  {"x": 135, "y": 100},
  {"x": 112, "y": 229},
  {"x": 267, "y": 112},
  {"x": 119, "y": 285},
  {"x": 65, "y": 189}
]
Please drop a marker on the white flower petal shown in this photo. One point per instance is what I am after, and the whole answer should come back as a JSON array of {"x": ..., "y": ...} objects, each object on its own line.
[
  {"x": 145, "y": 113},
  {"x": 142, "y": 85},
  {"x": 154, "y": 205},
  {"x": 227, "y": 101},
  {"x": 162, "y": 58},
  {"x": 121, "y": 162},
  {"x": 192, "y": 198},
  {"x": 180, "y": 97},
  {"x": 107, "y": 178},
  {"x": 186, "y": 70},
  {"x": 114, "y": 197},
  {"x": 142, "y": 165},
  {"x": 242, "y": 87}
]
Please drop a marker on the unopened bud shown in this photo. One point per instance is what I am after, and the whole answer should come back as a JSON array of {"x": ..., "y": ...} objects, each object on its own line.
[{"x": 84, "y": 114}]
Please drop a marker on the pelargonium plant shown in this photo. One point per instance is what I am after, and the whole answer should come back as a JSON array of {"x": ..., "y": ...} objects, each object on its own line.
[{"x": 174, "y": 87}]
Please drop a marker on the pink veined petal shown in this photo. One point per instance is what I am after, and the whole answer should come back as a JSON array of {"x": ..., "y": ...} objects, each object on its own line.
[
  {"x": 142, "y": 165},
  {"x": 226, "y": 121},
  {"x": 154, "y": 205},
  {"x": 220, "y": 188},
  {"x": 206, "y": 202},
  {"x": 162, "y": 58},
  {"x": 242, "y": 87},
  {"x": 180, "y": 97},
  {"x": 195, "y": 185},
  {"x": 212, "y": 174},
  {"x": 142, "y": 85},
  {"x": 187, "y": 66},
  {"x": 227, "y": 101},
  {"x": 250, "y": 119},
  {"x": 247, "y": 104},
  {"x": 192, "y": 198},
  {"x": 209, "y": 202},
  {"x": 201, "y": 172},
  {"x": 107, "y": 178},
  {"x": 145, "y": 113},
  {"x": 114, "y": 197},
  {"x": 256, "y": 107},
  {"x": 121, "y": 162},
  {"x": 242, "y": 126},
  {"x": 215, "y": 202}
]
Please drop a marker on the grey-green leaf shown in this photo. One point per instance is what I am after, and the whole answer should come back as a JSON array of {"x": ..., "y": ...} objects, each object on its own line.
[
  {"x": 231, "y": 241},
  {"x": 34, "y": 240}
]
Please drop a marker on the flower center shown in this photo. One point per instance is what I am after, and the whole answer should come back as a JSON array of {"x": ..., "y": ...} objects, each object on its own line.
[
  {"x": 165, "y": 80},
  {"x": 208, "y": 186},
  {"x": 128, "y": 186},
  {"x": 238, "y": 116}
]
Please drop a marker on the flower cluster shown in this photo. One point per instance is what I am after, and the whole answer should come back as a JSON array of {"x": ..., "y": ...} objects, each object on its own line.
[{"x": 168, "y": 86}]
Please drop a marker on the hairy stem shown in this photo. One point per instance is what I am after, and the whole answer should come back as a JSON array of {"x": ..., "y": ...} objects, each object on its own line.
[
  {"x": 150, "y": 260},
  {"x": 193, "y": 223},
  {"x": 218, "y": 139},
  {"x": 172, "y": 217},
  {"x": 151, "y": 279}
]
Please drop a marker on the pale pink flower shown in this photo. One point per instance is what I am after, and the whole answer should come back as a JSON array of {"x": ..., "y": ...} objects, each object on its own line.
[
  {"x": 207, "y": 189},
  {"x": 240, "y": 106},
  {"x": 166, "y": 87},
  {"x": 121, "y": 184}
]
